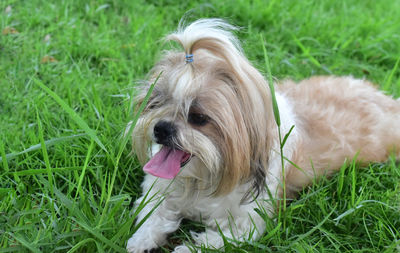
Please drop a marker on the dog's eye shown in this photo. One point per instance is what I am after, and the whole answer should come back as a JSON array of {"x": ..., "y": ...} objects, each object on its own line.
[
  {"x": 198, "y": 119},
  {"x": 152, "y": 105}
]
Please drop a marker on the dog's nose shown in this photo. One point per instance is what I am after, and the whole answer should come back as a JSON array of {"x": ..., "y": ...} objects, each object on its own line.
[{"x": 164, "y": 131}]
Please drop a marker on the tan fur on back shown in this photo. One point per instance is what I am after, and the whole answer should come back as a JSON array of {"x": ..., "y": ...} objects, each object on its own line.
[{"x": 339, "y": 118}]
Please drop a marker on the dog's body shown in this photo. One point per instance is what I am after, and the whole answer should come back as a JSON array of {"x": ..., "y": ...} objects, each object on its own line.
[{"x": 219, "y": 152}]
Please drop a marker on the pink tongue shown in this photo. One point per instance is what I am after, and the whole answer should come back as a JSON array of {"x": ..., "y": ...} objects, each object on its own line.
[{"x": 166, "y": 163}]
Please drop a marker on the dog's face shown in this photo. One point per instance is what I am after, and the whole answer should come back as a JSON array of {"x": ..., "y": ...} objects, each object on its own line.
[{"x": 211, "y": 118}]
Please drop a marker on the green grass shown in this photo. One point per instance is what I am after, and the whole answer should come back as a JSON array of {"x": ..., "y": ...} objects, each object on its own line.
[{"x": 67, "y": 181}]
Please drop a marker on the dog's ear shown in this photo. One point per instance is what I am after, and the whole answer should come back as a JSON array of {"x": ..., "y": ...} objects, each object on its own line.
[
  {"x": 245, "y": 128},
  {"x": 247, "y": 145}
]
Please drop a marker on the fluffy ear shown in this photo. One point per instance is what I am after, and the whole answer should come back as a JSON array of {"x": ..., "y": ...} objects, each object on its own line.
[
  {"x": 259, "y": 121},
  {"x": 248, "y": 130},
  {"x": 231, "y": 135}
]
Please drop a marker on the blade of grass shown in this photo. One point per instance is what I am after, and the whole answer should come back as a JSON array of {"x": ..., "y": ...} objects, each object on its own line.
[
  {"x": 78, "y": 120},
  {"x": 278, "y": 123},
  {"x": 143, "y": 203},
  {"x": 306, "y": 51},
  {"x": 31, "y": 172},
  {"x": 271, "y": 84},
  {"x": 4, "y": 191},
  {"x": 123, "y": 145},
  {"x": 286, "y": 136},
  {"x": 271, "y": 233},
  {"x": 353, "y": 181},
  {"x": 82, "y": 243},
  {"x": 48, "y": 143},
  {"x": 228, "y": 247},
  {"x": 302, "y": 236},
  {"x": 45, "y": 156},
  {"x": 79, "y": 217},
  {"x": 79, "y": 190},
  {"x": 99, "y": 236},
  {"x": 341, "y": 178},
  {"x": 388, "y": 81},
  {"x": 348, "y": 212},
  {"x": 3, "y": 157},
  {"x": 25, "y": 243}
]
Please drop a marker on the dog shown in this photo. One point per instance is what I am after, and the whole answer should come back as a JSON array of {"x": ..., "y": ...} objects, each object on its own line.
[{"x": 211, "y": 145}]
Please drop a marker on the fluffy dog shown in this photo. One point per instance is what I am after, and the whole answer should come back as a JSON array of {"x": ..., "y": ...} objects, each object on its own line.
[{"x": 213, "y": 143}]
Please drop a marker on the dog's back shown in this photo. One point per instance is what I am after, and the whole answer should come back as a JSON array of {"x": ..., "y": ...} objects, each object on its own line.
[{"x": 340, "y": 117}]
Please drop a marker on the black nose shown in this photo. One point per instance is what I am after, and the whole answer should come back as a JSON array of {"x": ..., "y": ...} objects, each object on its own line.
[{"x": 164, "y": 131}]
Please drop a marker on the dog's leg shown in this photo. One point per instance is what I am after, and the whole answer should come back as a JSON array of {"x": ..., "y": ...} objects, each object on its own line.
[
  {"x": 237, "y": 228},
  {"x": 153, "y": 232}
]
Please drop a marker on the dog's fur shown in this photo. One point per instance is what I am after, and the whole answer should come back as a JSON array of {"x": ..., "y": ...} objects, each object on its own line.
[{"x": 235, "y": 164}]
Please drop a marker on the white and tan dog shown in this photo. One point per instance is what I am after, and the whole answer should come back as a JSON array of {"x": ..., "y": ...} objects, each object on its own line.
[{"x": 213, "y": 142}]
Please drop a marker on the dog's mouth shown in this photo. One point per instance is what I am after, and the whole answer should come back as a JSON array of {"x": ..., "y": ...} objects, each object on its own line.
[
  {"x": 167, "y": 162},
  {"x": 186, "y": 160}
]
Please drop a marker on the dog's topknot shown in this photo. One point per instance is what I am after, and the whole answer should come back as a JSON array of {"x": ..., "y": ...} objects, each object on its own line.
[{"x": 214, "y": 35}]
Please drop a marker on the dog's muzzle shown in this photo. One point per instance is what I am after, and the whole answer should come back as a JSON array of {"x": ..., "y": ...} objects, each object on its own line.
[{"x": 164, "y": 133}]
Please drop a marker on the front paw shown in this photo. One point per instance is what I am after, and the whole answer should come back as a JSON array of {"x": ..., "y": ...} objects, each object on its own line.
[
  {"x": 139, "y": 244},
  {"x": 182, "y": 249}
]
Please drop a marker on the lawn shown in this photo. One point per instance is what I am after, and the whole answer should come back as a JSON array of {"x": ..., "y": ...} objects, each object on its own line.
[{"x": 68, "y": 71}]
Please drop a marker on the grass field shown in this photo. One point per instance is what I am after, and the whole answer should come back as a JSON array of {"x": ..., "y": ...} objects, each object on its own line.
[{"x": 68, "y": 71}]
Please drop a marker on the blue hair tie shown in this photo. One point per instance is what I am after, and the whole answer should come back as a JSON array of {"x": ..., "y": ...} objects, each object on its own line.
[{"x": 189, "y": 58}]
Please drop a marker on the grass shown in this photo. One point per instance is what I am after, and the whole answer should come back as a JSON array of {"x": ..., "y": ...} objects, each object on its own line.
[{"x": 68, "y": 73}]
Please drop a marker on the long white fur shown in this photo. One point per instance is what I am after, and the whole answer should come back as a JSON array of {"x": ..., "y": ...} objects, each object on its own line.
[{"x": 226, "y": 211}]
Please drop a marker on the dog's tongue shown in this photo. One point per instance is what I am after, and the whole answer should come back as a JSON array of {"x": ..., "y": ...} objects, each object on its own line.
[{"x": 166, "y": 163}]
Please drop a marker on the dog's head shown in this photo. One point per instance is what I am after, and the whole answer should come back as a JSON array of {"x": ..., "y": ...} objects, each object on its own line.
[{"x": 210, "y": 112}]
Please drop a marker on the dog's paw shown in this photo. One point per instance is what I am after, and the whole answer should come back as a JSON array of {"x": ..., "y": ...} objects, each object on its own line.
[
  {"x": 209, "y": 238},
  {"x": 140, "y": 245},
  {"x": 182, "y": 249}
]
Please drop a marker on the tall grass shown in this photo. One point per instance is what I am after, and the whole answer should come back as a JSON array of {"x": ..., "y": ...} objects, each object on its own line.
[{"x": 68, "y": 75}]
